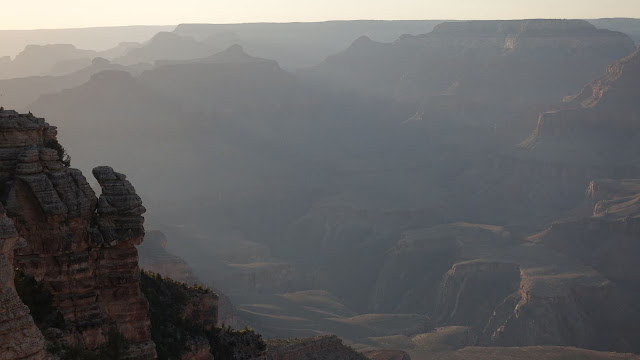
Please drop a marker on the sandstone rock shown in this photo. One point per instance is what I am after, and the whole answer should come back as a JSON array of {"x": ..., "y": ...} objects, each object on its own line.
[
  {"x": 596, "y": 127},
  {"x": 19, "y": 336},
  {"x": 607, "y": 240},
  {"x": 29, "y": 155},
  {"x": 47, "y": 154},
  {"x": 321, "y": 347},
  {"x": 471, "y": 286},
  {"x": 387, "y": 355},
  {"x": 84, "y": 256},
  {"x": 199, "y": 349},
  {"x": 119, "y": 208},
  {"x": 28, "y": 169}
]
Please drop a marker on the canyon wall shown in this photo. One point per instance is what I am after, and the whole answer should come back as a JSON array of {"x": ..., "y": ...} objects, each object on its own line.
[{"x": 78, "y": 247}]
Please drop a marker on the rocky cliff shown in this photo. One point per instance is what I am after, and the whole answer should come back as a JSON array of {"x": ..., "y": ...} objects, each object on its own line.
[
  {"x": 507, "y": 290},
  {"x": 321, "y": 347},
  {"x": 478, "y": 60},
  {"x": 598, "y": 126},
  {"x": 77, "y": 247},
  {"x": 19, "y": 337},
  {"x": 592, "y": 135},
  {"x": 155, "y": 258},
  {"x": 607, "y": 240},
  {"x": 387, "y": 355}
]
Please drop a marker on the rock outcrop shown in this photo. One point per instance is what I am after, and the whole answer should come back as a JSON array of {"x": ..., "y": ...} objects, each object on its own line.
[
  {"x": 465, "y": 281},
  {"x": 599, "y": 126},
  {"x": 607, "y": 240},
  {"x": 387, "y": 355},
  {"x": 508, "y": 291},
  {"x": 593, "y": 135},
  {"x": 477, "y": 60},
  {"x": 320, "y": 347},
  {"x": 182, "y": 317},
  {"x": 155, "y": 258},
  {"x": 19, "y": 336},
  {"x": 79, "y": 248}
]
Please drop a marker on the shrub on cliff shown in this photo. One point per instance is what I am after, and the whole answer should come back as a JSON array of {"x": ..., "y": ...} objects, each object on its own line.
[
  {"x": 116, "y": 348},
  {"x": 230, "y": 344},
  {"x": 62, "y": 152},
  {"x": 171, "y": 333}
]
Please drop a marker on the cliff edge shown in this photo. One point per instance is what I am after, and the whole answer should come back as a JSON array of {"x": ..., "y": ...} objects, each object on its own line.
[{"x": 78, "y": 248}]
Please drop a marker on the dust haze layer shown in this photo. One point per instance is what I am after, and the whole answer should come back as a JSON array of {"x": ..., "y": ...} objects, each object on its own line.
[{"x": 378, "y": 194}]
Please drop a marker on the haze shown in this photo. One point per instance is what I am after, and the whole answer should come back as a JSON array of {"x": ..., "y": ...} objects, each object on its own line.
[
  {"x": 79, "y": 13},
  {"x": 436, "y": 185}
]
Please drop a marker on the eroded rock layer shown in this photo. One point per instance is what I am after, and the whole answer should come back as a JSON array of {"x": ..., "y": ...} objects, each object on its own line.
[
  {"x": 320, "y": 347},
  {"x": 599, "y": 126},
  {"x": 19, "y": 336},
  {"x": 78, "y": 247},
  {"x": 608, "y": 241}
]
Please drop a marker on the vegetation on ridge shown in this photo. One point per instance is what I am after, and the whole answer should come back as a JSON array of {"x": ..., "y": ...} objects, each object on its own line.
[
  {"x": 62, "y": 152},
  {"x": 174, "y": 334}
]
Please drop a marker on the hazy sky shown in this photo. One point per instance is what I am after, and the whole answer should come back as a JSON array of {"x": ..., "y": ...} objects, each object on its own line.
[{"x": 33, "y": 14}]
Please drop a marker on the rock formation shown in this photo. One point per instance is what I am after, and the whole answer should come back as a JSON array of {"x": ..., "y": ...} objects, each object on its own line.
[
  {"x": 181, "y": 317},
  {"x": 593, "y": 135},
  {"x": 79, "y": 248},
  {"x": 321, "y": 347},
  {"x": 607, "y": 240},
  {"x": 387, "y": 355},
  {"x": 458, "y": 302},
  {"x": 478, "y": 60},
  {"x": 599, "y": 126},
  {"x": 509, "y": 291},
  {"x": 155, "y": 258},
  {"x": 19, "y": 336}
]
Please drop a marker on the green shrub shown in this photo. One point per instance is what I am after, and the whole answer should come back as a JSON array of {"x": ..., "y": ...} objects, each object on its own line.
[
  {"x": 171, "y": 334},
  {"x": 62, "y": 152},
  {"x": 230, "y": 344},
  {"x": 117, "y": 346}
]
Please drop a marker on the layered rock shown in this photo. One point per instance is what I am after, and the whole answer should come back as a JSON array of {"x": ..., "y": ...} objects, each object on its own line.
[
  {"x": 530, "y": 34},
  {"x": 465, "y": 281},
  {"x": 19, "y": 336},
  {"x": 508, "y": 291},
  {"x": 607, "y": 240},
  {"x": 599, "y": 126},
  {"x": 593, "y": 135},
  {"x": 79, "y": 248},
  {"x": 199, "y": 349},
  {"x": 479, "y": 60},
  {"x": 387, "y": 355},
  {"x": 182, "y": 317},
  {"x": 154, "y": 257},
  {"x": 321, "y": 347}
]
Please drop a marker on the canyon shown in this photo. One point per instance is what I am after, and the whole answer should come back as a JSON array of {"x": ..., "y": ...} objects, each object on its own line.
[{"x": 452, "y": 194}]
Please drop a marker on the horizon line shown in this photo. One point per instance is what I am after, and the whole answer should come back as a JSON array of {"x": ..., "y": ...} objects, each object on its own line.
[{"x": 305, "y": 22}]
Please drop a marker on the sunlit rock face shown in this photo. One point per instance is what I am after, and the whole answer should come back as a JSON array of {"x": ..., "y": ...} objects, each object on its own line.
[{"x": 80, "y": 248}]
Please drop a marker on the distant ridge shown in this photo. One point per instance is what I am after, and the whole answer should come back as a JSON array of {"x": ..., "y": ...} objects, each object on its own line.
[
  {"x": 96, "y": 38},
  {"x": 234, "y": 54}
]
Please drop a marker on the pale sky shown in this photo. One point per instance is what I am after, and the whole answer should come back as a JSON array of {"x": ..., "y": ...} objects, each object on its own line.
[{"x": 38, "y": 14}]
